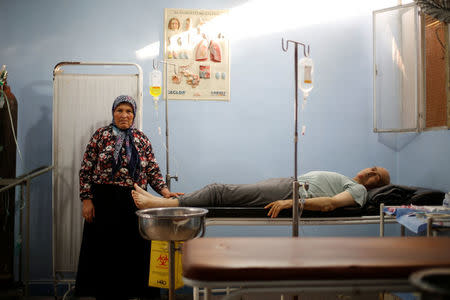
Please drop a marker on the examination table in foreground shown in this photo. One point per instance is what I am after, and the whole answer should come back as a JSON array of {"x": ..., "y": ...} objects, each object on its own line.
[{"x": 296, "y": 265}]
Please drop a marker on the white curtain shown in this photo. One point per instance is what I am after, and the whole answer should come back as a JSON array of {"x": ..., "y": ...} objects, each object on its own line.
[{"x": 82, "y": 103}]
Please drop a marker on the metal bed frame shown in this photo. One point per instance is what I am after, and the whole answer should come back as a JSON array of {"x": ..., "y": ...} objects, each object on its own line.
[
  {"x": 218, "y": 221},
  {"x": 296, "y": 287}
]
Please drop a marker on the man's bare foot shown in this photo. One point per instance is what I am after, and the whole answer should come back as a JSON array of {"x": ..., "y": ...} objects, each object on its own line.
[
  {"x": 144, "y": 199},
  {"x": 141, "y": 190}
]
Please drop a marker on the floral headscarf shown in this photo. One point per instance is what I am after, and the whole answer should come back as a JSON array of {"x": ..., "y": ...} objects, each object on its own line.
[{"x": 124, "y": 138}]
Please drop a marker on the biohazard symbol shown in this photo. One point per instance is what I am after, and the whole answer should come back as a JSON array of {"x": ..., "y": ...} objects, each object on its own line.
[{"x": 163, "y": 259}]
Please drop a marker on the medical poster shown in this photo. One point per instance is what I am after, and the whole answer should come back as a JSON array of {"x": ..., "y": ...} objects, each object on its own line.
[{"x": 196, "y": 50}]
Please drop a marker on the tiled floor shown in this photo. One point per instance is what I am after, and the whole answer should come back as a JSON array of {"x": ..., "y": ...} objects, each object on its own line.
[
  {"x": 12, "y": 294},
  {"x": 18, "y": 295}
]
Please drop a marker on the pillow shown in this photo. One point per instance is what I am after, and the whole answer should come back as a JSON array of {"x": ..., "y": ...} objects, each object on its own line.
[{"x": 394, "y": 195}]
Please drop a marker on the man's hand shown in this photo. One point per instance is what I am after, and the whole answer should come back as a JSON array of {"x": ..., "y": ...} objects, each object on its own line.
[
  {"x": 168, "y": 194},
  {"x": 277, "y": 206},
  {"x": 88, "y": 210}
]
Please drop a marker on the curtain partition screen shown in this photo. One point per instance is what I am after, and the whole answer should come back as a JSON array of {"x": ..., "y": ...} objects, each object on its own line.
[{"x": 82, "y": 103}]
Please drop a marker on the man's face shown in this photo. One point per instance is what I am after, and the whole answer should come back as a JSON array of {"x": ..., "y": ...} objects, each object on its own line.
[{"x": 371, "y": 177}]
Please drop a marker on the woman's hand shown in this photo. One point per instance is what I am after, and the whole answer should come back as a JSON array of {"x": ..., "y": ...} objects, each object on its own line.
[
  {"x": 88, "y": 210},
  {"x": 277, "y": 206},
  {"x": 168, "y": 194}
]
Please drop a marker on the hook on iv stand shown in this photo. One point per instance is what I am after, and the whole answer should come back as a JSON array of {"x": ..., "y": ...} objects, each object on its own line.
[
  {"x": 285, "y": 48},
  {"x": 295, "y": 184},
  {"x": 156, "y": 63}
]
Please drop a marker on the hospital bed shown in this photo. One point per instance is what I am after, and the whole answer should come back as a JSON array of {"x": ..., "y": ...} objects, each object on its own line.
[
  {"x": 299, "y": 265},
  {"x": 369, "y": 214},
  {"x": 391, "y": 194}
]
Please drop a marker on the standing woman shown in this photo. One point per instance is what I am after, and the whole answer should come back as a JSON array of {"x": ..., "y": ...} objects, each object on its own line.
[{"x": 114, "y": 258}]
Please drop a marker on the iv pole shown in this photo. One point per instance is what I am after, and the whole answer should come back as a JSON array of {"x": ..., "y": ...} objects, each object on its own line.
[
  {"x": 171, "y": 244},
  {"x": 295, "y": 184},
  {"x": 155, "y": 66}
]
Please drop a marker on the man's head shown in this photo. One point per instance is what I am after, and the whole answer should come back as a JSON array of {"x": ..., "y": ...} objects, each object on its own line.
[{"x": 373, "y": 177}]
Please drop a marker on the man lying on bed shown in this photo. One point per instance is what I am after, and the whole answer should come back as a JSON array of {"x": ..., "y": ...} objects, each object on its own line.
[{"x": 326, "y": 192}]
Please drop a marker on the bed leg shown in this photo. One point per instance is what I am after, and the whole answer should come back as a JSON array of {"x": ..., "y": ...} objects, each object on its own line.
[
  {"x": 382, "y": 219},
  {"x": 429, "y": 226},
  {"x": 207, "y": 294},
  {"x": 195, "y": 293}
]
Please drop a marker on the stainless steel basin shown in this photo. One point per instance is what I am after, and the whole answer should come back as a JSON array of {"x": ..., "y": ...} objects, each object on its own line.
[{"x": 172, "y": 223}]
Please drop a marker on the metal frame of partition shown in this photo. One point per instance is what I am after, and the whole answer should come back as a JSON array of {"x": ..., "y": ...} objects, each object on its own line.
[
  {"x": 25, "y": 180},
  {"x": 58, "y": 68}
]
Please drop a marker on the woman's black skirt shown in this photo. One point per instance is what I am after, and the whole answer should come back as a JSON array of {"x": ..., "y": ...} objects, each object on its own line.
[{"x": 114, "y": 258}]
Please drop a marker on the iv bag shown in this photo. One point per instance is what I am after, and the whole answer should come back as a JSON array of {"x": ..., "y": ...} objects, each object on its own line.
[
  {"x": 305, "y": 75},
  {"x": 155, "y": 84}
]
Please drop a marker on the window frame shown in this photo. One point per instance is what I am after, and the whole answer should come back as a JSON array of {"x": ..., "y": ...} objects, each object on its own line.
[{"x": 420, "y": 114}]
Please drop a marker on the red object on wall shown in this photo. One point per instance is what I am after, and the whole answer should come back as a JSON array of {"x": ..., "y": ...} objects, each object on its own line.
[{"x": 7, "y": 171}]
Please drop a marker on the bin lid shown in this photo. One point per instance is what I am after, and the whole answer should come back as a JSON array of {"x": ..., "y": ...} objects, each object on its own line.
[{"x": 434, "y": 281}]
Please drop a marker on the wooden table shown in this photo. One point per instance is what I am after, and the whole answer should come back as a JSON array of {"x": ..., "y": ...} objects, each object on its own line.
[{"x": 300, "y": 264}]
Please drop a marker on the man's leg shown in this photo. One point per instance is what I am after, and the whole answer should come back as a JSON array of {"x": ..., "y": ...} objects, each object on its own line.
[
  {"x": 239, "y": 195},
  {"x": 221, "y": 195}
]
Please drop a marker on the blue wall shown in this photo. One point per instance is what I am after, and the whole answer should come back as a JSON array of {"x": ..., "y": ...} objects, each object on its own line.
[{"x": 248, "y": 139}]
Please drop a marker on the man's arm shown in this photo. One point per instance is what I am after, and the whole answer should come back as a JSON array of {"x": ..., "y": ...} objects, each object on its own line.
[{"x": 317, "y": 204}]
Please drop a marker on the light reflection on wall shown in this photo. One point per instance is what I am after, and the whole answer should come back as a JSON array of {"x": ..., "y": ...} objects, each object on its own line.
[
  {"x": 397, "y": 56},
  {"x": 149, "y": 51},
  {"x": 256, "y": 18}
]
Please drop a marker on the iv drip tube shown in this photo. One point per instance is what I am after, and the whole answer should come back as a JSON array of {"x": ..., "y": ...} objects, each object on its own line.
[
  {"x": 168, "y": 176},
  {"x": 295, "y": 184},
  {"x": 168, "y": 179}
]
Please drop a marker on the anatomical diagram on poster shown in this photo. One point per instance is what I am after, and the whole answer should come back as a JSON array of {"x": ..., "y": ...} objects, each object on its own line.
[{"x": 196, "y": 50}]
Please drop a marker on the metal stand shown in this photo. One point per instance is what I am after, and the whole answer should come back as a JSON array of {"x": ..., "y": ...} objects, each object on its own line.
[
  {"x": 172, "y": 270},
  {"x": 295, "y": 185},
  {"x": 155, "y": 66},
  {"x": 172, "y": 251}
]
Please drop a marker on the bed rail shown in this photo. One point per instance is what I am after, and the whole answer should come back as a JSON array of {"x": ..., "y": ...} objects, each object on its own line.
[{"x": 9, "y": 184}]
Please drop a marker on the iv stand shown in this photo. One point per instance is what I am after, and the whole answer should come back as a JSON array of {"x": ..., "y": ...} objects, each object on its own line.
[
  {"x": 155, "y": 66},
  {"x": 171, "y": 244},
  {"x": 295, "y": 184}
]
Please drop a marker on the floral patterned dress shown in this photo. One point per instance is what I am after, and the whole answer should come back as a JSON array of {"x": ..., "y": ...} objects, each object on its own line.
[
  {"x": 114, "y": 258},
  {"x": 96, "y": 166}
]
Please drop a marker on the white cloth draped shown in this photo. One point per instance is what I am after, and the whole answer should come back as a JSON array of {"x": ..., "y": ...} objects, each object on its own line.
[{"x": 81, "y": 103}]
